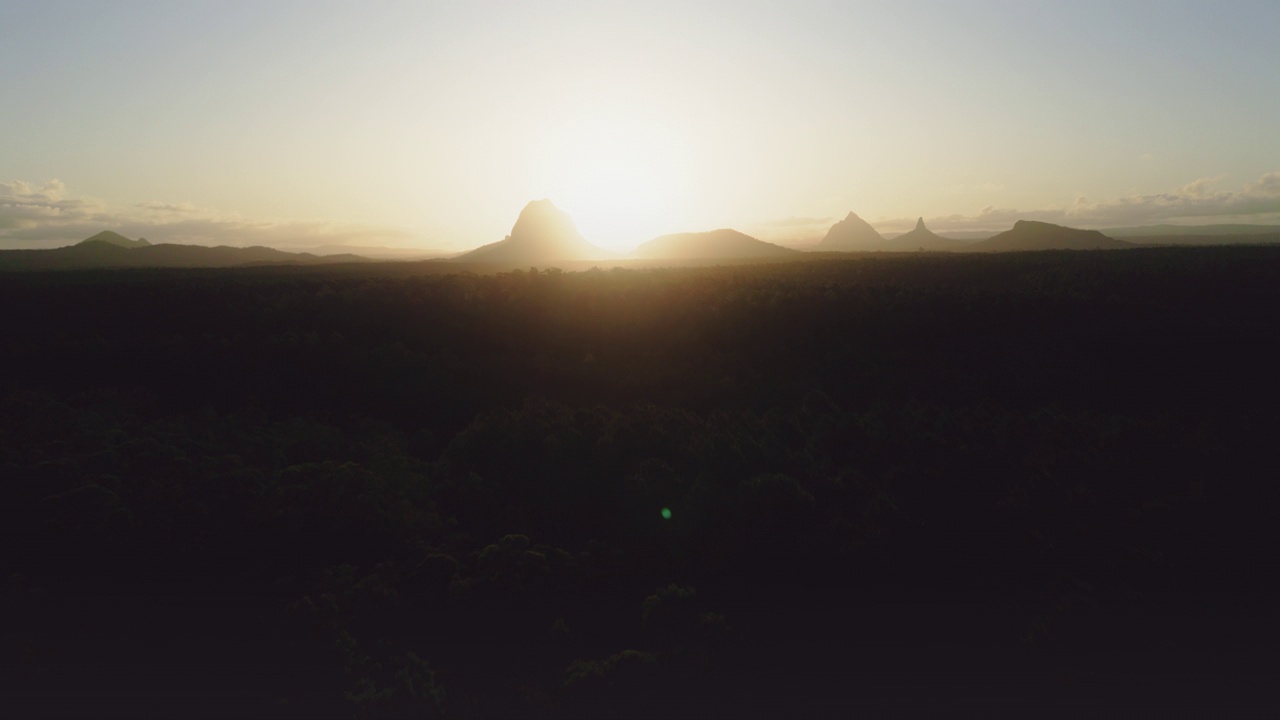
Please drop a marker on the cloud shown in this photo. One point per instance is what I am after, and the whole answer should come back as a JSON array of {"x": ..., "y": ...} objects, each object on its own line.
[
  {"x": 25, "y": 206},
  {"x": 1266, "y": 186},
  {"x": 182, "y": 207},
  {"x": 1195, "y": 203},
  {"x": 51, "y": 191},
  {"x": 48, "y": 215}
]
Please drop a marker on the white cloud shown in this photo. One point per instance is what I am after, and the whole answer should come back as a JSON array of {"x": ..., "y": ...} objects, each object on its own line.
[{"x": 25, "y": 206}]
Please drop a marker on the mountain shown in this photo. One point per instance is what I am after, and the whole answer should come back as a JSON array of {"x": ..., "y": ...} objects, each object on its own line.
[
  {"x": 921, "y": 238},
  {"x": 1033, "y": 235},
  {"x": 114, "y": 238},
  {"x": 851, "y": 233},
  {"x": 722, "y": 244},
  {"x": 542, "y": 234},
  {"x": 381, "y": 252},
  {"x": 99, "y": 254}
]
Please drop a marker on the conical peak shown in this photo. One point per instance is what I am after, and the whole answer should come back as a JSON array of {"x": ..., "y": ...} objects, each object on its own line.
[
  {"x": 920, "y": 224},
  {"x": 851, "y": 233}
]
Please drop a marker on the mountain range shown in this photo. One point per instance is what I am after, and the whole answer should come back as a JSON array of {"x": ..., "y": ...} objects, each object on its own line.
[
  {"x": 108, "y": 249},
  {"x": 544, "y": 235},
  {"x": 115, "y": 238}
]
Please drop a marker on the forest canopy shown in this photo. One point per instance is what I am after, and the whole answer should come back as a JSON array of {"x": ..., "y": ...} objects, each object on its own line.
[{"x": 359, "y": 491}]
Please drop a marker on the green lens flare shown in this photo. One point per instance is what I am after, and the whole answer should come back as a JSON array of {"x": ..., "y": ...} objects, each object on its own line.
[{"x": 666, "y": 513}]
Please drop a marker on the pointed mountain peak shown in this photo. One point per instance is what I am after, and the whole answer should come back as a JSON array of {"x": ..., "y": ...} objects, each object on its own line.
[
  {"x": 851, "y": 233},
  {"x": 920, "y": 238}
]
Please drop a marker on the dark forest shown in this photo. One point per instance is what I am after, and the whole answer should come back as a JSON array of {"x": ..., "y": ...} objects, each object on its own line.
[{"x": 1025, "y": 484}]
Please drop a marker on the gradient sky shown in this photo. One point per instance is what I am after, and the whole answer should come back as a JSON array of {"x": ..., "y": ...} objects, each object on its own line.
[{"x": 433, "y": 123}]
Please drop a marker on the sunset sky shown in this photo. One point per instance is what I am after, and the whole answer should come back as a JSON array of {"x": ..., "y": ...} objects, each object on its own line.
[{"x": 431, "y": 124}]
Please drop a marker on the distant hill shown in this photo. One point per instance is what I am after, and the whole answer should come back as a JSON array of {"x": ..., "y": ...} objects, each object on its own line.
[
  {"x": 114, "y": 238},
  {"x": 1190, "y": 230},
  {"x": 851, "y": 233},
  {"x": 1188, "y": 240},
  {"x": 921, "y": 238},
  {"x": 542, "y": 234},
  {"x": 1237, "y": 234},
  {"x": 1033, "y": 235},
  {"x": 106, "y": 252},
  {"x": 381, "y": 252},
  {"x": 721, "y": 244}
]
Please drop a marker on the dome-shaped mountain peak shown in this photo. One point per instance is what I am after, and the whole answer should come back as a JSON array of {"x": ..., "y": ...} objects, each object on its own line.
[{"x": 543, "y": 233}]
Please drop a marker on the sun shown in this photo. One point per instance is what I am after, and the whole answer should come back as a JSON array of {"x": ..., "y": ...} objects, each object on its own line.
[{"x": 622, "y": 179}]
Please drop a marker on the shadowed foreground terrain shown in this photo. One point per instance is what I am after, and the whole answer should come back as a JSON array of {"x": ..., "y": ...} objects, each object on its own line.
[{"x": 1019, "y": 485}]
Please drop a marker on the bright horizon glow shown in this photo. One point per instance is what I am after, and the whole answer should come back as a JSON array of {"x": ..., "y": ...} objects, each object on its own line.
[
  {"x": 621, "y": 179},
  {"x": 431, "y": 124}
]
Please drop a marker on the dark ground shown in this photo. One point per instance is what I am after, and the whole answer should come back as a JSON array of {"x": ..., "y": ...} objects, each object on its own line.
[{"x": 1016, "y": 485}]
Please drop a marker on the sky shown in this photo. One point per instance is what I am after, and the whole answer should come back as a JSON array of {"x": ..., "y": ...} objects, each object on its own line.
[{"x": 431, "y": 124}]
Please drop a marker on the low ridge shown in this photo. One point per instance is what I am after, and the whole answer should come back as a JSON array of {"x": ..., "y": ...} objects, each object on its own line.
[
  {"x": 1035, "y": 235},
  {"x": 115, "y": 238},
  {"x": 723, "y": 244}
]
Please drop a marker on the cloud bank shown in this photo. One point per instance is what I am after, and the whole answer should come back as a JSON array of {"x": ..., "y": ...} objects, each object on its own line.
[
  {"x": 1195, "y": 203},
  {"x": 46, "y": 216}
]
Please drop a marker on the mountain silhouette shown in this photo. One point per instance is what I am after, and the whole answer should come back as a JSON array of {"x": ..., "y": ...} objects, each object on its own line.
[
  {"x": 1034, "y": 235},
  {"x": 851, "y": 233},
  {"x": 921, "y": 238},
  {"x": 1237, "y": 234},
  {"x": 100, "y": 252},
  {"x": 1233, "y": 230},
  {"x": 115, "y": 238},
  {"x": 543, "y": 233},
  {"x": 721, "y": 244}
]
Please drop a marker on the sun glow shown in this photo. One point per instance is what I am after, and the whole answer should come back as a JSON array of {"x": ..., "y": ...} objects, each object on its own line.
[{"x": 622, "y": 180}]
